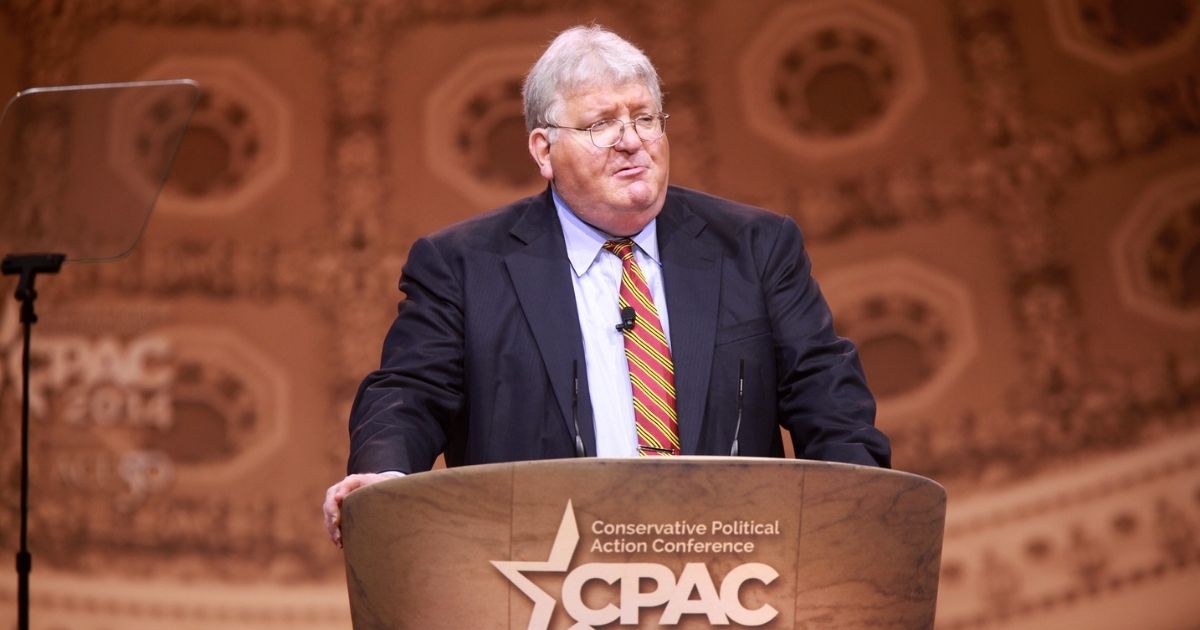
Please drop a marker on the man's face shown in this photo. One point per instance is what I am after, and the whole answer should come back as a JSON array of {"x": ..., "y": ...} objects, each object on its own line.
[{"x": 619, "y": 189}]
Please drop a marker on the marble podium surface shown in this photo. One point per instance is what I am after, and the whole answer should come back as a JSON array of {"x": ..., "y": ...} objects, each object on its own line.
[{"x": 687, "y": 542}]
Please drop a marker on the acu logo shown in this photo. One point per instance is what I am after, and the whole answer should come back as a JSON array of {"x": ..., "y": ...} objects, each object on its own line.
[{"x": 722, "y": 605}]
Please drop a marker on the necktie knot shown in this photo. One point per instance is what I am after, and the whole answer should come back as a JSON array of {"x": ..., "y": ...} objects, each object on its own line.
[{"x": 622, "y": 248}]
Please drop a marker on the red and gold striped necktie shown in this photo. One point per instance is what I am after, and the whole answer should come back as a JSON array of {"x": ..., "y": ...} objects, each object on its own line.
[{"x": 651, "y": 371}]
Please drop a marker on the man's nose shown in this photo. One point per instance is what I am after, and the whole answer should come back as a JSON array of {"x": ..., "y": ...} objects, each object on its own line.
[{"x": 629, "y": 140}]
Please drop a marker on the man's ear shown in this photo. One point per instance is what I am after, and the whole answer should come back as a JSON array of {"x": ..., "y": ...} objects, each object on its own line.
[{"x": 539, "y": 148}]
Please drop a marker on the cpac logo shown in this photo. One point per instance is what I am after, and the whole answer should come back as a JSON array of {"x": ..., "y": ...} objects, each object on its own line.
[{"x": 721, "y": 606}]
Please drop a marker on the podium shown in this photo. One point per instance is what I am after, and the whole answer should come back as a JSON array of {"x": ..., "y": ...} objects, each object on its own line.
[{"x": 686, "y": 542}]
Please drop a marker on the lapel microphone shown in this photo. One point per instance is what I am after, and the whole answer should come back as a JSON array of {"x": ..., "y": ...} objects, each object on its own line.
[
  {"x": 628, "y": 319},
  {"x": 579, "y": 450},
  {"x": 733, "y": 452}
]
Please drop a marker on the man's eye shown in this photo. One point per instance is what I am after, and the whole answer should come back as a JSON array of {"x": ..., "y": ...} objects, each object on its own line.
[{"x": 602, "y": 125}]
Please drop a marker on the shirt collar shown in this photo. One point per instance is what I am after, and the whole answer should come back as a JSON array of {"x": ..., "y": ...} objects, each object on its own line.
[{"x": 585, "y": 242}]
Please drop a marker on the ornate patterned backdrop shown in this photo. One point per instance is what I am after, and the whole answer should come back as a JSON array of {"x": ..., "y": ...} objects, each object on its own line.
[{"x": 1002, "y": 199}]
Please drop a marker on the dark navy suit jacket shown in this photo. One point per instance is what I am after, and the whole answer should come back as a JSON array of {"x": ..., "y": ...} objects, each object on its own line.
[{"x": 478, "y": 362}]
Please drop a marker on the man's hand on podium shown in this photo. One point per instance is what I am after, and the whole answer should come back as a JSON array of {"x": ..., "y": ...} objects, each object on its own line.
[{"x": 339, "y": 490}]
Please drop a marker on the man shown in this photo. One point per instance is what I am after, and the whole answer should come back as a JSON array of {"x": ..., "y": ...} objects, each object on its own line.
[{"x": 611, "y": 315}]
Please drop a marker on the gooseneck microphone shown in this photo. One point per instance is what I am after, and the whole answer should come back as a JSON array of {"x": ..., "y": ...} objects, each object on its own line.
[
  {"x": 733, "y": 452},
  {"x": 579, "y": 450},
  {"x": 628, "y": 319}
]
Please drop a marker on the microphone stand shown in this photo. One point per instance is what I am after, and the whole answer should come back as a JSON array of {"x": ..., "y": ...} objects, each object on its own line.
[{"x": 27, "y": 266}]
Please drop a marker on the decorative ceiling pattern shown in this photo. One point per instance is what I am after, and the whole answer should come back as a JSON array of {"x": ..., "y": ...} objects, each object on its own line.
[
  {"x": 915, "y": 328},
  {"x": 476, "y": 139},
  {"x": 1156, "y": 251},
  {"x": 1123, "y": 36},
  {"x": 1023, "y": 287},
  {"x": 831, "y": 77},
  {"x": 235, "y": 147}
]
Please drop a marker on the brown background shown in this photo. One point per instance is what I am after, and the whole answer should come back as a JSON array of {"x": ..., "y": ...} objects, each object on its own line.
[{"x": 1002, "y": 199}]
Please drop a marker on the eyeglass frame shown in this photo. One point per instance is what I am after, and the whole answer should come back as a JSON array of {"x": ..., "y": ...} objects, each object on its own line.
[{"x": 661, "y": 116}]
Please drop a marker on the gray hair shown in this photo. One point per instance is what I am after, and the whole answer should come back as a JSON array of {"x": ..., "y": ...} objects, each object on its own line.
[{"x": 579, "y": 57}]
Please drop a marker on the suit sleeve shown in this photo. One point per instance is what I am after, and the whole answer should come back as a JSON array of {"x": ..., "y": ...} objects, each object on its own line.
[
  {"x": 405, "y": 412},
  {"x": 823, "y": 398}
]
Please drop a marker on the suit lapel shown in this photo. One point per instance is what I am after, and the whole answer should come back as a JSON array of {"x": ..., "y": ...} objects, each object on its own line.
[
  {"x": 692, "y": 278},
  {"x": 541, "y": 275}
]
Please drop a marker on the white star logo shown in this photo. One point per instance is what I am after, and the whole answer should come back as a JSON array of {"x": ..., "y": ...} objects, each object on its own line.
[{"x": 560, "y": 557}]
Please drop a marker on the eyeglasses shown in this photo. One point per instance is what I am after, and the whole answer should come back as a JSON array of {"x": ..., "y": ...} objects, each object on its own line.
[{"x": 607, "y": 133}]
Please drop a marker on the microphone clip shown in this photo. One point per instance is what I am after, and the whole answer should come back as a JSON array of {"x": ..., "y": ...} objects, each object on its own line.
[{"x": 628, "y": 319}]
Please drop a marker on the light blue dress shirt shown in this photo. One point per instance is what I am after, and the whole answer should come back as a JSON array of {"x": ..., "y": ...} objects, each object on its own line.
[{"x": 597, "y": 284}]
